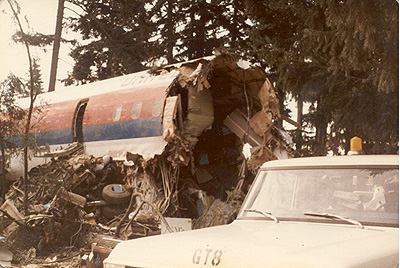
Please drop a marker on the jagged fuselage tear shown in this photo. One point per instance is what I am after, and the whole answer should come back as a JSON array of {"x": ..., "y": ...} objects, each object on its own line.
[{"x": 112, "y": 116}]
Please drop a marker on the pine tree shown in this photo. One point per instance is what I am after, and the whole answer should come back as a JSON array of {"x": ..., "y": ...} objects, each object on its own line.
[
  {"x": 166, "y": 13},
  {"x": 118, "y": 34},
  {"x": 127, "y": 36},
  {"x": 339, "y": 56}
]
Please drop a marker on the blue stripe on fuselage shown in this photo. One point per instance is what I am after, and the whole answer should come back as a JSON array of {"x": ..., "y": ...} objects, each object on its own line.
[
  {"x": 150, "y": 127},
  {"x": 59, "y": 136}
]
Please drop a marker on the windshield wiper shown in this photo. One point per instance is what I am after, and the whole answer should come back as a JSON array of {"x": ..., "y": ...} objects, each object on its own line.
[
  {"x": 334, "y": 217},
  {"x": 266, "y": 214}
]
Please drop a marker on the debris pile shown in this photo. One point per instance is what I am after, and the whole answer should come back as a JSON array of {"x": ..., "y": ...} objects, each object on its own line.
[
  {"x": 63, "y": 217},
  {"x": 54, "y": 220},
  {"x": 214, "y": 110}
]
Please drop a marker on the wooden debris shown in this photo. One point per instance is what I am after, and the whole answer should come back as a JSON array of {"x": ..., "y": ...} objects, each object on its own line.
[{"x": 72, "y": 197}]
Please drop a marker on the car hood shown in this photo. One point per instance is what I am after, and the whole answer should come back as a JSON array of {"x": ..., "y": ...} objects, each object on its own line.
[{"x": 264, "y": 244}]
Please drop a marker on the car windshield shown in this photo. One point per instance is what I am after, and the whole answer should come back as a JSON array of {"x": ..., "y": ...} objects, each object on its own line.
[{"x": 366, "y": 195}]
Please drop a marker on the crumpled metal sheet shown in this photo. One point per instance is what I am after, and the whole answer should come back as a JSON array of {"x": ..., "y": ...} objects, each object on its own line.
[{"x": 147, "y": 147}]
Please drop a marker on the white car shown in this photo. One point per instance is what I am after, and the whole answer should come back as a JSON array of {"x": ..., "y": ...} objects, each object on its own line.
[{"x": 339, "y": 211}]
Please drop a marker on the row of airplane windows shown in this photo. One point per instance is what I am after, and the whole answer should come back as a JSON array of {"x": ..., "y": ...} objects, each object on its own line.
[{"x": 137, "y": 108}]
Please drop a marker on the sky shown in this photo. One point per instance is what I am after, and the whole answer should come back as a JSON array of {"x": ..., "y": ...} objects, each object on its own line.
[{"x": 41, "y": 16}]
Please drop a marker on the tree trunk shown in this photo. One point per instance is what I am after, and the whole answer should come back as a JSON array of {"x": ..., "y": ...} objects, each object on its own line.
[
  {"x": 300, "y": 110},
  {"x": 170, "y": 32},
  {"x": 320, "y": 149},
  {"x": 32, "y": 96},
  {"x": 233, "y": 34},
  {"x": 3, "y": 169},
  {"x": 321, "y": 125},
  {"x": 56, "y": 46}
]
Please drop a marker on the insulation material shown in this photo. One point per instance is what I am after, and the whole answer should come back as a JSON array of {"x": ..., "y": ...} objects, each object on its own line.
[
  {"x": 185, "y": 78},
  {"x": 268, "y": 98},
  {"x": 197, "y": 77},
  {"x": 261, "y": 123},
  {"x": 170, "y": 110},
  {"x": 201, "y": 80},
  {"x": 237, "y": 123},
  {"x": 261, "y": 154},
  {"x": 200, "y": 112}
]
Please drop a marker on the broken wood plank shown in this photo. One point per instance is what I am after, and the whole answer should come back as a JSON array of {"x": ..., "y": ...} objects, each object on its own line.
[{"x": 72, "y": 197}]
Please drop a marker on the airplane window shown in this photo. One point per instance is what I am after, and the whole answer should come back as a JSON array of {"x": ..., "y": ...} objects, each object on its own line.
[
  {"x": 158, "y": 107},
  {"x": 136, "y": 108},
  {"x": 117, "y": 112}
]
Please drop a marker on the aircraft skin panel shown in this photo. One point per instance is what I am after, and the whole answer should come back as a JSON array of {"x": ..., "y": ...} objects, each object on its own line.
[
  {"x": 56, "y": 117},
  {"x": 150, "y": 127},
  {"x": 124, "y": 130},
  {"x": 100, "y": 108},
  {"x": 107, "y": 116},
  {"x": 102, "y": 112},
  {"x": 131, "y": 82},
  {"x": 146, "y": 147},
  {"x": 57, "y": 136}
]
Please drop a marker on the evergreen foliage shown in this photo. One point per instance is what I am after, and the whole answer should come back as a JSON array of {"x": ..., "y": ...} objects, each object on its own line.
[
  {"x": 117, "y": 34},
  {"x": 128, "y": 36},
  {"x": 342, "y": 57}
]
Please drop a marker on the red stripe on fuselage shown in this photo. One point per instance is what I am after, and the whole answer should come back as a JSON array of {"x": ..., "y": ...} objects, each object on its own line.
[
  {"x": 57, "y": 116},
  {"x": 100, "y": 108}
]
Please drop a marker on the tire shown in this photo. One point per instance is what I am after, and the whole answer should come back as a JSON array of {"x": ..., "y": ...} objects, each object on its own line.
[
  {"x": 116, "y": 198},
  {"x": 110, "y": 212}
]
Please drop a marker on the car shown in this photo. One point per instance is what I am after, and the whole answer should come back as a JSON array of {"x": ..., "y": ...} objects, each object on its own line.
[{"x": 333, "y": 211}]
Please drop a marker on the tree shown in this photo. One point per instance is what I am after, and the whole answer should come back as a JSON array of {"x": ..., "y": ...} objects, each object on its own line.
[
  {"x": 342, "y": 58},
  {"x": 11, "y": 115},
  {"x": 202, "y": 26},
  {"x": 34, "y": 87},
  {"x": 117, "y": 34},
  {"x": 199, "y": 34},
  {"x": 128, "y": 36},
  {"x": 167, "y": 15}
]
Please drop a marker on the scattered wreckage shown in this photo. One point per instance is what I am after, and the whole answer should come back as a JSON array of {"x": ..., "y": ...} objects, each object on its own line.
[
  {"x": 339, "y": 211},
  {"x": 180, "y": 153}
]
